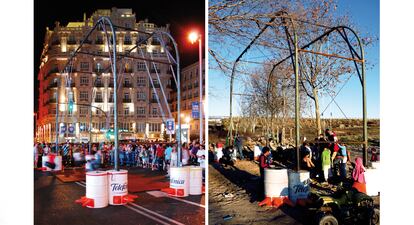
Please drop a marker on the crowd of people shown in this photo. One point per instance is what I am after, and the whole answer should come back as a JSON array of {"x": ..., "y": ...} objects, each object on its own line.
[
  {"x": 326, "y": 157},
  {"x": 154, "y": 156}
]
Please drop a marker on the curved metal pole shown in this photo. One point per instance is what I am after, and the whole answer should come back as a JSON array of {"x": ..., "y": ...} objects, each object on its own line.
[
  {"x": 108, "y": 20},
  {"x": 178, "y": 134},
  {"x": 362, "y": 77}
]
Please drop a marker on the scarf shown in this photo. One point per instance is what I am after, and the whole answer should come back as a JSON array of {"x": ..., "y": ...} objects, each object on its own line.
[{"x": 358, "y": 173}]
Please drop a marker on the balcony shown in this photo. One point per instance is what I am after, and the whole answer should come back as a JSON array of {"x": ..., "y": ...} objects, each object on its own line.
[
  {"x": 55, "y": 42},
  {"x": 156, "y": 85},
  {"x": 71, "y": 42},
  {"x": 155, "y": 71},
  {"x": 52, "y": 85},
  {"x": 128, "y": 70},
  {"x": 99, "y": 42},
  {"x": 87, "y": 41},
  {"x": 99, "y": 84},
  {"x": 98, "y": 100},
  {"x": 98, "y": 70},
  {"x": 126, "y": 100},
  {"x": 127, "y": 85}
]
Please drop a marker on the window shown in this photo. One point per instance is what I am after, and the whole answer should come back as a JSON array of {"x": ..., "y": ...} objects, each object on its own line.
[
  {"x": 141, "y": 81},
  {"x": 84, "y": 66},
  {"x": 154, "y": 111},
  {"x": 98, "y": 97},
  {"x": 83, "y": 95},
  {"x": 141, "y": 66},
  {"x": 191, "y": 74},
  {"x": 112, "y": 111},
  {"x": 126, "y": 111},
  {"x": 83, "y": 126},
  {"x": 84, "y": 80},
  {"x": 154, "y": 127},
  {"x": 154, "y": 96},
  {"x": 155, "y": 81},
  {"x": 127, "y": 40},
  {"x": 126, "y": 95},
  {"x": 141, "y": 111},
  {"x": 141, "y": 96},
  {"x": 111, "y": 97},
  {"x": 140, "y": 127},
  {"x": 126, "y": 81},
  {"x": 83, "y": 110}
]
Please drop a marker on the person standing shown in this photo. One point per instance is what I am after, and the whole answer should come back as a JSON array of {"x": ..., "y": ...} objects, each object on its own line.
[
  {"x": 174, "y": 157},
  {"x": 36, "y": 154},
  {"x": 339, "y": 157},
  {"x": 358, "y": 176},
  {"x": 185, "y": 153},
  {"x": 326, "y": 162},
  {"x": 263, "y": 164},
  {"x": 239, "y": 146}
]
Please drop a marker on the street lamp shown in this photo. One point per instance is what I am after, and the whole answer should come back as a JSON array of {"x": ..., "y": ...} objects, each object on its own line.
[{"x": 193, "y": 37}]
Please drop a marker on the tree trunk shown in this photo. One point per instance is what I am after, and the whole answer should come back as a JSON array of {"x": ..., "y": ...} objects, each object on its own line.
[{"x": 317, "y": 112}]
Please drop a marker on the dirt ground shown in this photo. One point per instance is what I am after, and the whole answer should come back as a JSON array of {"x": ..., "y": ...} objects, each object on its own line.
[
  {"x": 233, "y": 192},
  {"x": 233, "y": 198}
]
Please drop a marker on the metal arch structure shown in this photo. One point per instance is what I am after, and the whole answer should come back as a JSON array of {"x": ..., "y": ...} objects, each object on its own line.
[
  {"x": 102, "y": 21},
  {"x": 356, "y": 58},
  {"x": 106, "y": 21}
]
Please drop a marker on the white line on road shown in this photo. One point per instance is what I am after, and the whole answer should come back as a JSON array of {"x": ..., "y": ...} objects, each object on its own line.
[
  {"x": 159, "y": 194},
  {"x": 157, "y": 214},
  {"x": 186, "y": 201},
  {"x": 153, "y": 218},
  {"x": 146, "y": 210}
]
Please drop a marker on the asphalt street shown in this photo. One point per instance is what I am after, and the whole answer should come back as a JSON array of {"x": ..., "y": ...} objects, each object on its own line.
[{"x": 54, "y": 203}]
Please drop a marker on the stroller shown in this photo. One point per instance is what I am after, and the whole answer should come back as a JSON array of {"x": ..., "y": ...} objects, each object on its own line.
[{"x": 228, "y": 156}]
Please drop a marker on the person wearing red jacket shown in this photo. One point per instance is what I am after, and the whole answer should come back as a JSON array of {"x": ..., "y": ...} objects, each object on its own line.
[{"x": 264, "y": 162}]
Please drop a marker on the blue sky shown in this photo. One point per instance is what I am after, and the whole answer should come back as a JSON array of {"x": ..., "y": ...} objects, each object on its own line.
[{"x": 365, "y": 16}]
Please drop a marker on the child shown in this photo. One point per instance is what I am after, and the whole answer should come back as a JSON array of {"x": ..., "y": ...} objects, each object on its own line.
[
  {"x": 358, "y": 176},
  {"x": 326, "y": 162}
]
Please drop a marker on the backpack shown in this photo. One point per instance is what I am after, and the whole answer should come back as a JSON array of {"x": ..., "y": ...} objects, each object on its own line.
[{"x": 342, "y": 151}]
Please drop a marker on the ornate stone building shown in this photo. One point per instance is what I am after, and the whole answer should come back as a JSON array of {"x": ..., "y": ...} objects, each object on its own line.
[{"x": 90, "y": 82}]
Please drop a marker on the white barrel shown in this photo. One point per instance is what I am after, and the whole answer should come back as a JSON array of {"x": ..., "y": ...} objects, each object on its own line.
[
  {"x": 180, "y": 180},
  {"x": 372, "y": 179},
  {"x": 89, "y": 157},
  {"x": 57, "y": 161},
  {"x": 375, "y": 165},
  {"x": 196, "y": 180},
  {"x": 276, "y": 182},
  {"x": 298, "y": 184},
  {"x": 117, "y": 186},
  {"x": 97, "y": 188},
  {"x": 44, "y": 160}
]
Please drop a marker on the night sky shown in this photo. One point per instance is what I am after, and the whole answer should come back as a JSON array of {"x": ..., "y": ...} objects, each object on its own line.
[{"x": 181, "y": 15}]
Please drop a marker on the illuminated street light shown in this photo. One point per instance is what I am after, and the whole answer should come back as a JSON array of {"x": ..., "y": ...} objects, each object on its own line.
[{"x": 193, "y": 37}]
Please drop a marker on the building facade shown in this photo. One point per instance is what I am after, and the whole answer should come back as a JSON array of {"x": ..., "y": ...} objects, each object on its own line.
[
  {"x": 84, "y": 92},
  {"x": 190, "y": 92}
]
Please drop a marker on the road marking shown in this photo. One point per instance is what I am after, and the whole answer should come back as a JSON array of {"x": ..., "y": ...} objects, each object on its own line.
[
  {"x": 159, "y": 194},
  {"x": 146, "y": 210},
  {"x": 156, "y": 214},
  {"x": 186, "y": 201},
  {"x": 153, "y": 218},
  {"x": 81, "y": 184}
]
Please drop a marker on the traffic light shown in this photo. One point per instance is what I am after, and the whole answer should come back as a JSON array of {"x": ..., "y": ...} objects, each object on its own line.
[{"x": 70, "y": 108}]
